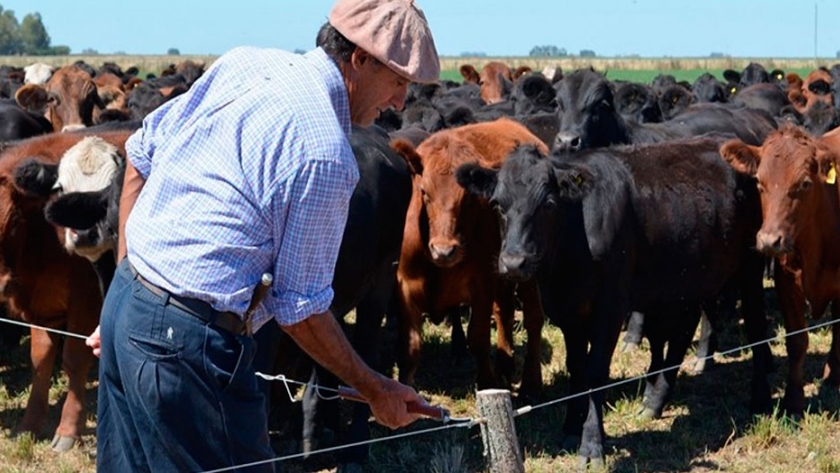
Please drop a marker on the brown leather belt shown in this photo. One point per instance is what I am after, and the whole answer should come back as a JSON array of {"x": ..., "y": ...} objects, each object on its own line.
[{"x": 200, "y": 309}]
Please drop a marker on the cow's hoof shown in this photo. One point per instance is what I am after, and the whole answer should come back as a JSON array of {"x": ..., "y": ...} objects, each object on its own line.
[
  {"x": 648, "y": 413},
  {"x": 62, "y": 444},
  {"x": 590, "y": 464}
]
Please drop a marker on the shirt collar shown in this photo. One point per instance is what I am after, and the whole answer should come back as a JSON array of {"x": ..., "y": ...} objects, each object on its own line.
[{"x": 335, "y": 86}]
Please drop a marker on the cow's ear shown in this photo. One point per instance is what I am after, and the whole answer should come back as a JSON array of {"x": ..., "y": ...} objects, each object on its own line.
[
  {"x": 32, "y": 98},
  {"x": 469, "y": 74},
  {"x": 732, "y": 76},
  {"x": 820, "y": 87},
  {"x": 36, "y": 179},
  {"x": 573, "y": 181},
  {"x": 407, "y": 151},
  {"x": 742, "y": 157},
  {"x": 827, "y": 161},
  {"x": 477, "y": 180},
  {"x": 77, "y": 210}
]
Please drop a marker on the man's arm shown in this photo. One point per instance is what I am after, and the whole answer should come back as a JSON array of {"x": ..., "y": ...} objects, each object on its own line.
[
  {"x": 321, "y": 337},
  {"x": 132, "y": 184}
]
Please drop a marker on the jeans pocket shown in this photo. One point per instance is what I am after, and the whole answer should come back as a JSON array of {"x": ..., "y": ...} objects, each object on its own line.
[
  {"x": 228, "y": 359},
  {"x": 153, "y": 348}
]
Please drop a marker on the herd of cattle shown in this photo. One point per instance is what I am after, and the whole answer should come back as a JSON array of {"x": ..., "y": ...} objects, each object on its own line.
[{"x": 580, "y": 199}]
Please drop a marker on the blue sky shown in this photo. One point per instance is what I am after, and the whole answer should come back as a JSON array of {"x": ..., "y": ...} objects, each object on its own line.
[{"x": 650, "y": 28}]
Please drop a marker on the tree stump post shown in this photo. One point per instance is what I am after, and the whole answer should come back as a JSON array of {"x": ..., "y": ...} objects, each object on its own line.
[{"x": 498, "y": 433}]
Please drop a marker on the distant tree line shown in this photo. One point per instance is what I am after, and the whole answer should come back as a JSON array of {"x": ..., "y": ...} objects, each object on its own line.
[
  {"x": 553, "y": 51},
  {"x": 27, "y": 37}
]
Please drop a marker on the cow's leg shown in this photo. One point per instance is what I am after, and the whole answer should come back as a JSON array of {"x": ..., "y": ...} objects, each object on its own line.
[
  {"x": 576, "y": 342},
  {"x": 657, "y": 336},
  {"x": 503, "y": 313},
  {"x": 706, "y": 346},
  {"x": 533, "y": 320},
  {"x": 831, "y": 372},
  {"x": 478, "y": 340},
  {"x": 42, "y": 352},
  {"x": 751, "y": 287},
  {"x": 77, "y": 359},
  {"x": 369, "y": 315},
  {"x": 679, "y": 339},
  {"x": 604, "y": 328},
  {"x": 792, "y": 302},
  {"x": 635, "y": 332},
  {"x": 458, "y": 339},
  {"x": 410, "y": 322}
]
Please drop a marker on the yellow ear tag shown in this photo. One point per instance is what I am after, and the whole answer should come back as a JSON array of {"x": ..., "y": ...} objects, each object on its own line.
[{"x": 831, "y": 177}]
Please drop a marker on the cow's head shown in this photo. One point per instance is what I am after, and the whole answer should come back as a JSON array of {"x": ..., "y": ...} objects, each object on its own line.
[
  {"x": 674, "y": 99},
  {"x": 586, "y": 111},
  {"x": 496, "y": 81},
  {"x": 85, "y": 177},
  {"x": 449, "y": 210},
  {"x": 793, "y": 170},
  {"x": 529, "y": 192},
  {"x": 637, "y": 102},
  {"x": 67, "y": 100}
]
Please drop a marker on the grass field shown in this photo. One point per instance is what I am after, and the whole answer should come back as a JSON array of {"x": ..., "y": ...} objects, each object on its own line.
[{"x": 706, "y": 427}]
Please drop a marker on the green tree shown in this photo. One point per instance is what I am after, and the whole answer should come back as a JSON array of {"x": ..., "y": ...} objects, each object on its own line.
[
  {"x": 33, "y": 35},
  {"x": 9, "y": 33},
  {"x": 173, "y": 52}
]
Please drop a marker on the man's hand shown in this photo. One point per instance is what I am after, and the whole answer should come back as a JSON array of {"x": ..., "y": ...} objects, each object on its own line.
[
  {"x": 94, "y": 341},
  {"x": 389, "y": 403}
]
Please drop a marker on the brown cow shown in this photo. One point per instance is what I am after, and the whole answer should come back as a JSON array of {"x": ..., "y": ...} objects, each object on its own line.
[
  {"x": 449, "y": 248},
  {"x": 68, "y": 99},
  {"x": 800, "y": 203},
  {"x": 816, "y": 87},
  {"x": 495, "y": 80},
  {"x": 42, "y": 283}
]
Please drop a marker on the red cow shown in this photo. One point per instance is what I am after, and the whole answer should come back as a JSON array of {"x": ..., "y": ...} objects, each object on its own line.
[
  {"x": 495, "y": 80},
  {"x": 69, "y": 99},
  {"x": 450, "y": 245},
  {"x": 816, "y": 87},
  {"x": 42, "y": 283},
  {"x": 800, "y": 203}
]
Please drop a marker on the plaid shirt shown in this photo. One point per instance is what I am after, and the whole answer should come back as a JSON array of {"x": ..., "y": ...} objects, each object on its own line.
[{"x": 248, "y": 172}]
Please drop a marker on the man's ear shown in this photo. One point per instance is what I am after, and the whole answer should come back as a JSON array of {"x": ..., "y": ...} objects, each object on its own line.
[{"x": 359, "y": 58}]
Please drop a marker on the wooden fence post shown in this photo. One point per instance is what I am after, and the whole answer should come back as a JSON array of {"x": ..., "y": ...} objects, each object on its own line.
[{"x": 498, "y": 432}]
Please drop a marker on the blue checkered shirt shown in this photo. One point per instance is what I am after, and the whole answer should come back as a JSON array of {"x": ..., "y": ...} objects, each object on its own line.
[{"x": 248, "y": 172}]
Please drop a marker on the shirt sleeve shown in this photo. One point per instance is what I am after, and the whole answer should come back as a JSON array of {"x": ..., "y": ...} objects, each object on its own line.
[
  {"x": 138, "y": 150},
  {"x": 314, "y": 207}
]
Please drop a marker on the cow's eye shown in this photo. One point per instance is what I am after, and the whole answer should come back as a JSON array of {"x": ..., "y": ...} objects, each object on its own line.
[{"x": 803, "y": 187}]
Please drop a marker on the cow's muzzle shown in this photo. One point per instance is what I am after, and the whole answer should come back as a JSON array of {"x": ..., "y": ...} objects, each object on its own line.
[{"x": 773, "y": 243}]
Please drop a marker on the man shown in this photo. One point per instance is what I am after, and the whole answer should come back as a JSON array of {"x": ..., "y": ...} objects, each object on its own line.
[{"x": 248, "y": 172}]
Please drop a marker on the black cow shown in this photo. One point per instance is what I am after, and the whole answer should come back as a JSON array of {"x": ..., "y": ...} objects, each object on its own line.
[
  {"x": 707, "y": 88},
  {"x": 637, "y": 102},
  {"x": 660, "y": 228},
  {"x": 365, "y": 274},
  {"x": 17, "y": 123},
  {"x": 588, "y": 118}
]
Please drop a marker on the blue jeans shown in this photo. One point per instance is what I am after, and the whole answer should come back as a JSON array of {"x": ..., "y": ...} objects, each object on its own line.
[{"x": 175, "y": 393}]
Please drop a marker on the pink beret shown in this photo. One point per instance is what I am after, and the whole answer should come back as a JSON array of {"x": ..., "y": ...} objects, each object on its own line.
[{"x": 393, "y": 31}]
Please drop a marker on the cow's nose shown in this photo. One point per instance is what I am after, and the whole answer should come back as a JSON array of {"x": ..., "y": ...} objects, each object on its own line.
[
  {"x": 772, "y": 243},
  {"x": 512, "y": 266},
  {"x": 442, "y": 252},
  {"x": 567, "y": 142}
]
